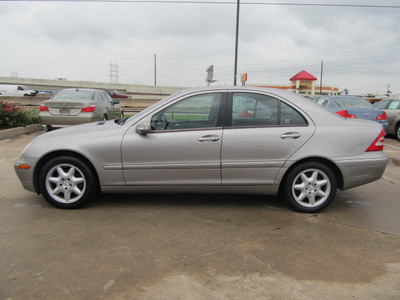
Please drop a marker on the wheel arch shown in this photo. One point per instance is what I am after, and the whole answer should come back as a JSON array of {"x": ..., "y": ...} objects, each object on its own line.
[
  {"x": 51, "y": 155},
  {"x": 327, "y": 162}
]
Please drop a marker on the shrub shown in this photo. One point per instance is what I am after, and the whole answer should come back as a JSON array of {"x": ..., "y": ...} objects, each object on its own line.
[{"x": 12, "y": 116}]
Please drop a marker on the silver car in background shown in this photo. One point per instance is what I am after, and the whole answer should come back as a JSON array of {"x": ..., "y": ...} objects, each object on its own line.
[
  {"x": 77, "y": 106},
  {"x": 199, "y": 141},
  {"x": 392, "y": 108}
]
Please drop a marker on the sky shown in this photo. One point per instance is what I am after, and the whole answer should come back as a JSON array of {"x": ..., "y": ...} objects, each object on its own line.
[{"x": 91, "y": 40}]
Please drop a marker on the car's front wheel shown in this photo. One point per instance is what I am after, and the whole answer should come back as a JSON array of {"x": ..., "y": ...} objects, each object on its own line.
[
  {"x": 67, "y": 182},
  {"x": 310, "y": 187},
  {"x": 398, "y": 132}
]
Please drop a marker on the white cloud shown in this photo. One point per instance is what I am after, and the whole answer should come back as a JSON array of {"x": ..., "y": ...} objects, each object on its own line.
[{"x": 78, "y": 41}]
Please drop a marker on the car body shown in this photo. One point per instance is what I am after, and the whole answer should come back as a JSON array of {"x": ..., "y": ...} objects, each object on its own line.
[
  {"x": 115, "y": 94},
  {"x": 195, "y": 142},
  {"x": 14, "y": 90},
  {"x": 353, "y": 107},
  {"x": 392, "y": 109},
  {"x": 76, "y": 106}
]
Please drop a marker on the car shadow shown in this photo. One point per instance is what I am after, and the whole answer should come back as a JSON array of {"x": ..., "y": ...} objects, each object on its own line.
[{"x": 188, "y": 200}]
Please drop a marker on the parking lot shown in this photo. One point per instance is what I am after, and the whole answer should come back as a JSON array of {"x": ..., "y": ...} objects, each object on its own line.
[{"x": 199, "y": 246}]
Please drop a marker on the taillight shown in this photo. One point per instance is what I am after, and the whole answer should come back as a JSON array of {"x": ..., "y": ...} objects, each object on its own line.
[
  {"x": 89, "y": 108},
  {"x": 383, "y": 116},
  {"x": 377, "y": 145},
  {"x": 345, "y": 114},
  {"x": 44, "y": 108}
]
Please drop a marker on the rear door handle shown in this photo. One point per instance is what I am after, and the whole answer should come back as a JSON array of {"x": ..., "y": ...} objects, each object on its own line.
[
  {"x": 209, "y": 138},
  {"x": 291, "y": 135}
]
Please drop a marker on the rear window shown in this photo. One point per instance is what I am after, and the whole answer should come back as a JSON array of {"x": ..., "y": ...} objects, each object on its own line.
[
  {"x": 74, "y": 95},
  {"x": 353, "y": 102}
]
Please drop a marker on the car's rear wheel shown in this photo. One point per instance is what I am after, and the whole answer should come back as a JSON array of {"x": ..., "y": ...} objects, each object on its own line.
[
  {"x": 67, "y": 182},
  {"x": 47, "y": 128},
  {"x": 310, "y": 187}
]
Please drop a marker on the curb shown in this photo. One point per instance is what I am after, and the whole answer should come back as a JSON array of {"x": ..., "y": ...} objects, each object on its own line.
[{"x": 12, "y": 132}]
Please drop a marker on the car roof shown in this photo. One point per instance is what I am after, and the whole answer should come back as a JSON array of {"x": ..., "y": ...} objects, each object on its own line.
[
  {"x": 82, "y": 89},
  {"x": 340, "y": 96}
]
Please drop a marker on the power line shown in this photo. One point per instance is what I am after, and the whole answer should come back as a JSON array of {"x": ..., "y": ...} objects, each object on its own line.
[{"x": 215, "y": 3}]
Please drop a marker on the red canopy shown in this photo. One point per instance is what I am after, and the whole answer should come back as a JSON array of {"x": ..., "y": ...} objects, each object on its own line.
[{"x": 303, "y": 75}]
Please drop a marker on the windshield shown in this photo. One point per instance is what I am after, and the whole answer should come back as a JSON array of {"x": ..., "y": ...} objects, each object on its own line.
[
  {"x": 146, "y": 111},
  {"x": 353, "y": 102},
  {"x": 74, "y": 95}
]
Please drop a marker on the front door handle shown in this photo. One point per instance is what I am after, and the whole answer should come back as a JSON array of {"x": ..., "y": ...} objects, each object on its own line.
[
  {"x": 291, "y": 135},
  {"x": 209, "y": 138}
]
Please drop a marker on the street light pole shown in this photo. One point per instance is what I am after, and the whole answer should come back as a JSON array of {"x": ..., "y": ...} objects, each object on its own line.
[{"x": 237, "y": 41}]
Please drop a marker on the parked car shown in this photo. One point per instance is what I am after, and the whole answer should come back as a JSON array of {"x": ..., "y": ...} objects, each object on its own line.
[
  {"x": 194, "y": 142},
  {"x": 392, "y": 108},
  {"x": 77, "y": 106},
  {"x": 115, "y": 94},
  {"x": 14, "y": 90},
  {"x": 353, "y": 107}
]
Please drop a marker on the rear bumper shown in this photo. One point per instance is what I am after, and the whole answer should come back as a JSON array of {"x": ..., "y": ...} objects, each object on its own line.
[
  {"x": 363, "y": 169},
  {"x": 48, "y": 119}
]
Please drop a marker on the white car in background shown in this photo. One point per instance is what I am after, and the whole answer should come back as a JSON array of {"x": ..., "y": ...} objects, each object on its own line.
[{"x": 13, "y": 90}]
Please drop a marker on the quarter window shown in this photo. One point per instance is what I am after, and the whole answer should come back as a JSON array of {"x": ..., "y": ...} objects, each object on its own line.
[
  {"x": 382, "y": 104},
  {"x": 200, "y": 111},
  {"x": 395, "y": 104},
  {"x": 104, "y": 98},
  {"x": 290, "y": 116},
  {"x": 323, "y": 102}
]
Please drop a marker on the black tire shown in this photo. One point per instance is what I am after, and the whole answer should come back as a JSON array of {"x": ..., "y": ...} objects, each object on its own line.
[
  {"x": 310, "y": 187},
  {"x": 397, "y": 133},
  {"x": 47, "y": 128},
  {"x": 67, "y": 182}
]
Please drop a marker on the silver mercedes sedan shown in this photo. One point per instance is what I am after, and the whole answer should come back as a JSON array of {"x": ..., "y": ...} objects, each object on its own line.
[{"x": 215, "y": 140}]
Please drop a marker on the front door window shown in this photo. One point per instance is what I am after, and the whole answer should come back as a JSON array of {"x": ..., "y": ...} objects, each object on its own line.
[{"x": 200, "y": 111}]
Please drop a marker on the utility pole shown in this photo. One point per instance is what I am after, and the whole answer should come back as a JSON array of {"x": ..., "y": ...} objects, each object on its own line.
[
  {"x": 237, "y": 41},
  {"x": 155, "y": 69},
  {"x": 320, "y": 83}
]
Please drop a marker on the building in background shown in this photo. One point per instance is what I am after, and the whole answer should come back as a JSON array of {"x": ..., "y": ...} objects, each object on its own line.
[{"x": 303, "y": 83}]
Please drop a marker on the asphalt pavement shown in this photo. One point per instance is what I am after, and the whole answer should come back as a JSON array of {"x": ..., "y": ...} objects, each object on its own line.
[{"x": 199, "y": 246}]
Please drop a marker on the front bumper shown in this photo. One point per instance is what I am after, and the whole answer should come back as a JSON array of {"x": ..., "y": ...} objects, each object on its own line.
[{"x": 26, "y": 176}]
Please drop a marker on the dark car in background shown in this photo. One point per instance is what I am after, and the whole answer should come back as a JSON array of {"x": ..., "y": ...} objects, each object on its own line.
[
  {"x": 115, "y": 94},
  {"x": 392, "y": 109},
  {"x": 353, "y": 107}
]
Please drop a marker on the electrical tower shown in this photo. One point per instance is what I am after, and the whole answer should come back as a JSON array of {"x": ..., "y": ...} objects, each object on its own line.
[{"x": 114, "y": 73}]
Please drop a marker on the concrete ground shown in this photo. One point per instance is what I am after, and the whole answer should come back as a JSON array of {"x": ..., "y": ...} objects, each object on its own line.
[{"x": 198, "y": 246}]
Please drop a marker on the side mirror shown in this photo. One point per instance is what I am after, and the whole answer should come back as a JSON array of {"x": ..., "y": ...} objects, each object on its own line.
[
  {"x": 143, "y": 129},
  {"x": 115, "y": 101}
]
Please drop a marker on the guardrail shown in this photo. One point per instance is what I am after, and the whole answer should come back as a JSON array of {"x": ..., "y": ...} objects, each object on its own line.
[{"x": 134, "y": 104}]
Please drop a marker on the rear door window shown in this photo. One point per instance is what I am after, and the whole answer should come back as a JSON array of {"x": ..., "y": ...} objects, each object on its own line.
[{"x": 251, "y": 109}]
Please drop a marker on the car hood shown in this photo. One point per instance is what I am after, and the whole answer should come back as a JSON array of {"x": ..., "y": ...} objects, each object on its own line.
[{"x": 82, "y": 129}]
